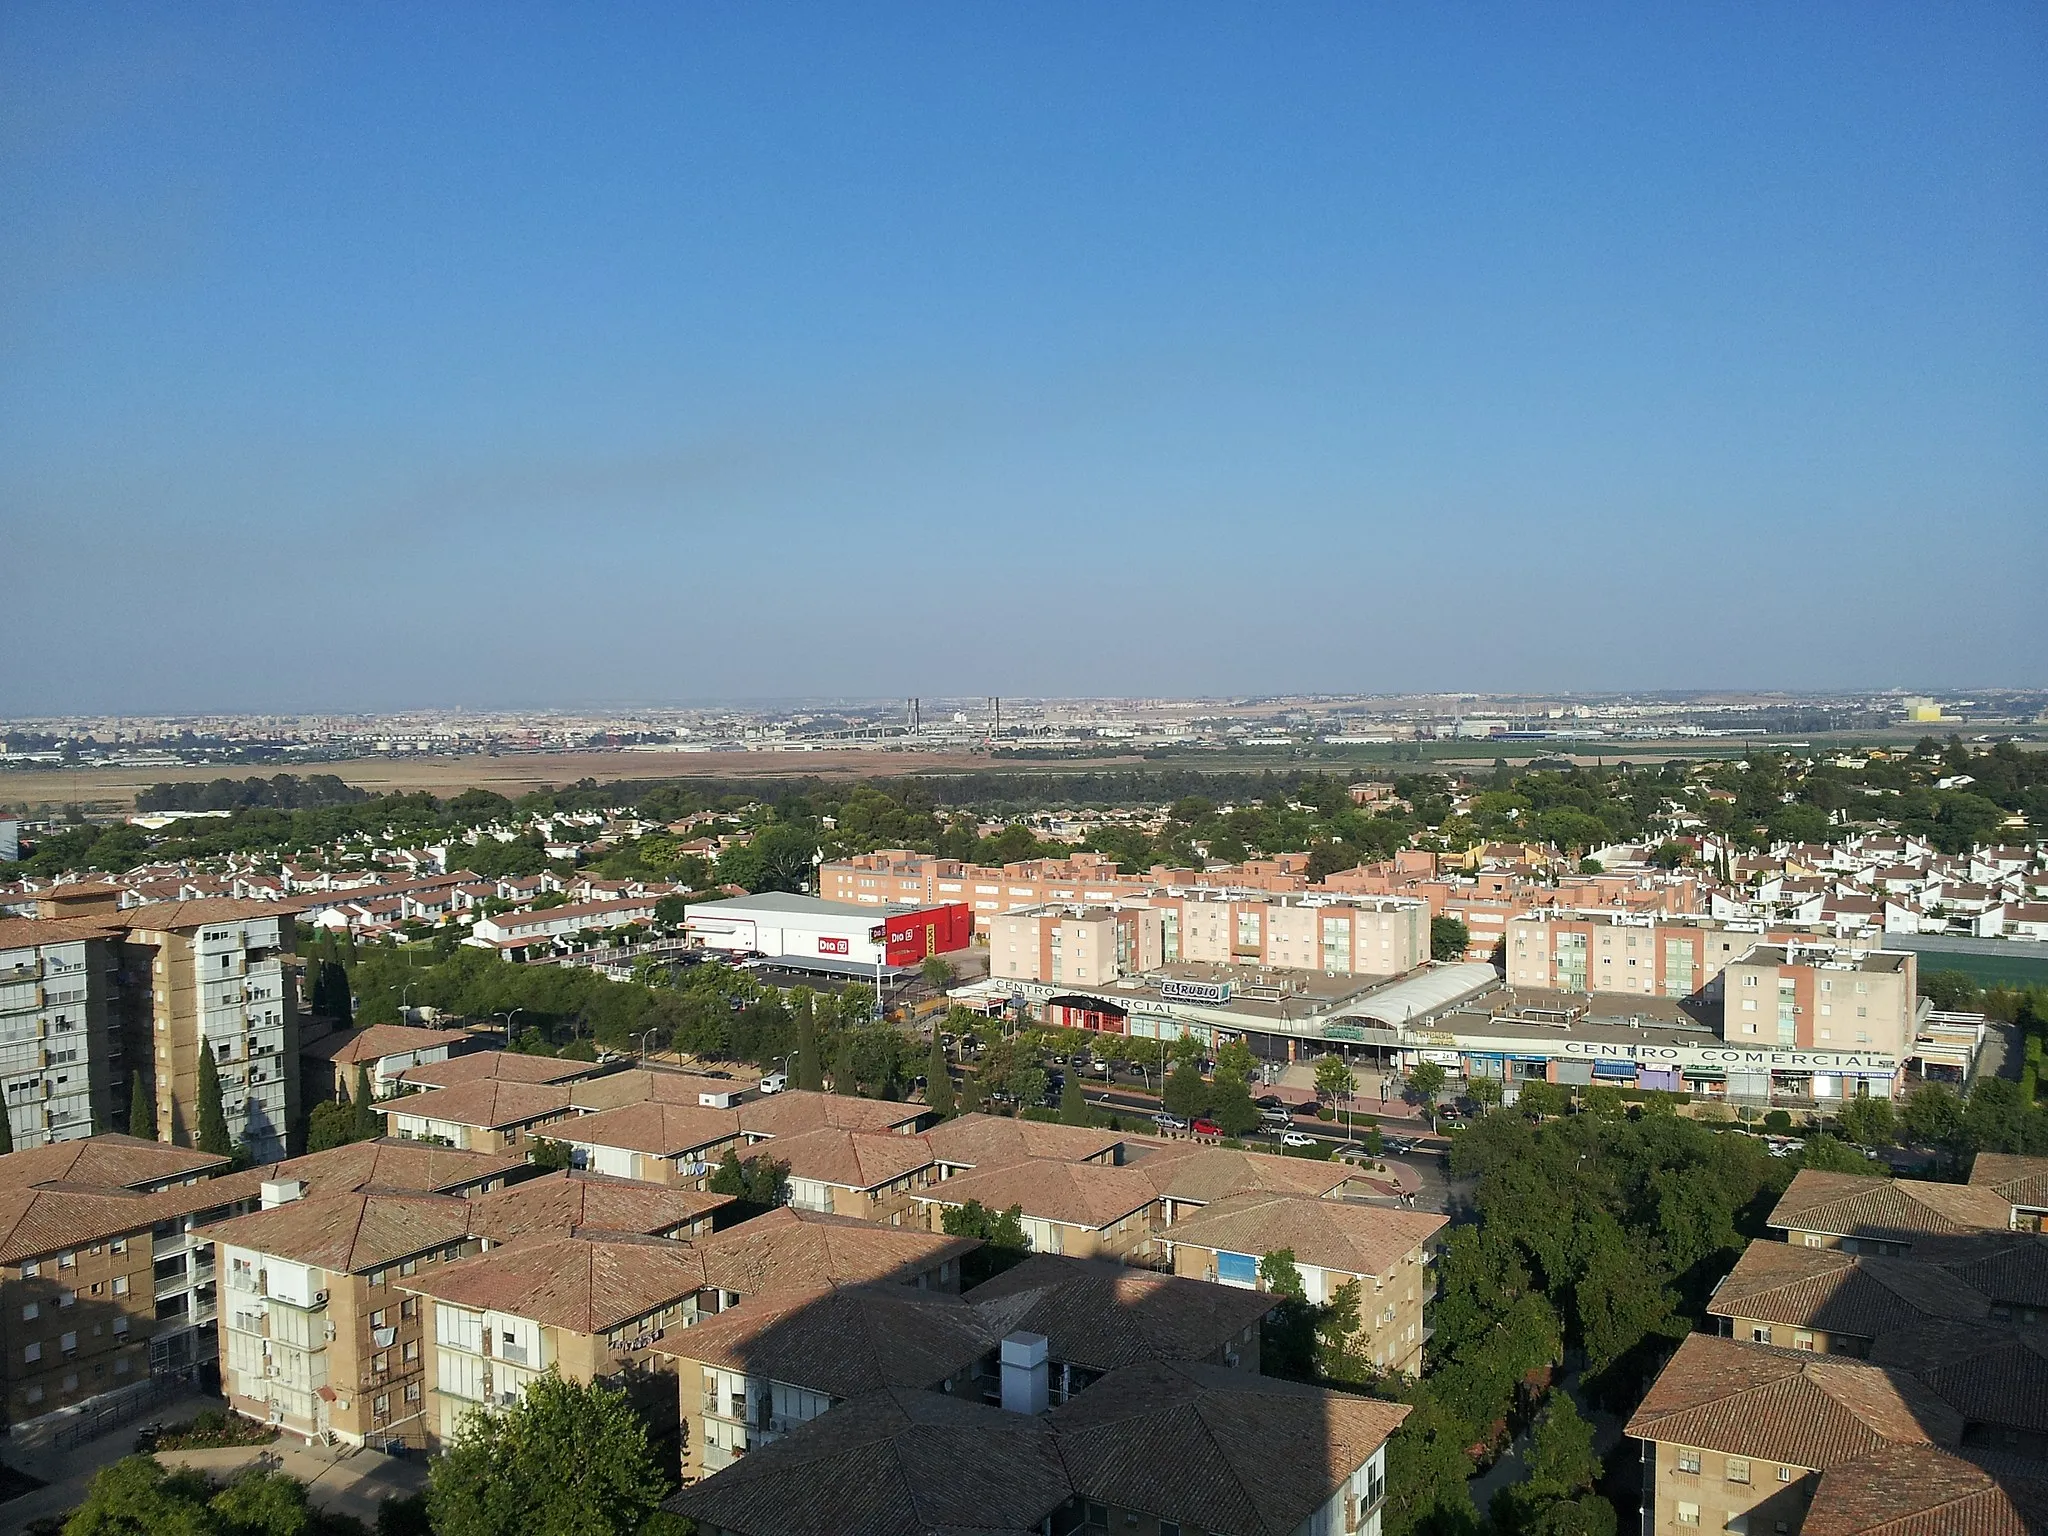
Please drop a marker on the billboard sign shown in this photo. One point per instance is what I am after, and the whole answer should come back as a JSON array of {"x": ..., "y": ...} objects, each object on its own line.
[
  {"x": 834, "y": 947},
  {"x": 1207, "y": 994}
]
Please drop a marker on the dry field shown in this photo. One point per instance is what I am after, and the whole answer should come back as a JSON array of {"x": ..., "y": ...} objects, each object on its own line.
[{"x": 116, "y": 788}]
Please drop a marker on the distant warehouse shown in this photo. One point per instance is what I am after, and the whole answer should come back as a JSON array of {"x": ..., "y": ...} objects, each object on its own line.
[{"x": 836, "y": 937}]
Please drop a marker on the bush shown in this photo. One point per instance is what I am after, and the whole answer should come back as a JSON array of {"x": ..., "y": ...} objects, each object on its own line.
[
  {"x": 212, "y": 1428},
  {"x": 1778, "y": 1122},
  {"x": 1325, "y": 1113}
]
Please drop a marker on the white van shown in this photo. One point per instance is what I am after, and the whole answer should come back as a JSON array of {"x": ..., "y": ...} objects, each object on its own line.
[{"x": 775, "y": 1082}]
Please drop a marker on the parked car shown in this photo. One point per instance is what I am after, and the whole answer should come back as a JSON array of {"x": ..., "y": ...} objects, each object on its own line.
[
  {"x": 775, "y": 1082},
  {"x": 1167, "y": 1122},
  {"x": 1398, "y": 1146},
  {"x": 1279, "y": 1116},
  {"x": 1297, "y": 1139},
  {"x": 1204, "y": 1126}
]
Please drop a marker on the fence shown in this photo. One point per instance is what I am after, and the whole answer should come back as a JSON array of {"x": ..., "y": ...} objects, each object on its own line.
[{"x": 115, "y": 1409}]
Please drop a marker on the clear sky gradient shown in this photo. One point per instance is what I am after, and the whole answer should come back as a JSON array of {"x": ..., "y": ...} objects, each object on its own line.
[{"x": 382, "y": 355}]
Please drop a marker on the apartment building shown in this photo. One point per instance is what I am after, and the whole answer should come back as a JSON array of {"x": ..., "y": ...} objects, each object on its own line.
[
  {"x": 1189, "y": 1176},
  {"x": 616, "y": 1090},
  {"x": 485, "y": 1114},
  {"x": 2022, "y": 1182},
  {"x": 63, "y": 1064},
  {"x": 580, "y": 1304},
  {"x": 1646, "y": 953},
  {"x": 1739, "y": 1436},
  {"x": 1802, "y": 996},
  {"x": 318, "y": 1337},
  {"x": 1085, "y": 1209},
  {"x": 673, "y": 1144},
  {"x": 567, "y": 1200},
  {"x": 788, "y": 1247},
  {"x": 1167, "y": 1447},
  {"x": 1386, "y": 1251},
  {"x": 384, "y": 1052},
  {"x": 506, "y": 1066},
  {"x": 977, "y": 1141},
  {"x": 1871, "y": 1214},
  {"x": 1830, "y": 1302},
  {"x": 800, "y": 1110},
  {"x": 1061, "y": 943},
  {"x": 868, "y": 1174},
  {"x": 1338, "y": 935}
]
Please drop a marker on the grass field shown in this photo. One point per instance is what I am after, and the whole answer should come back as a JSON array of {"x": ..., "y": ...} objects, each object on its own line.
[{"x": 2018, "y": 970}]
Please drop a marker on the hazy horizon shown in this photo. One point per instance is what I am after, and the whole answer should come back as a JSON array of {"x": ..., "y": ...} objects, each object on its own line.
[{"x": 356, "y": 357}]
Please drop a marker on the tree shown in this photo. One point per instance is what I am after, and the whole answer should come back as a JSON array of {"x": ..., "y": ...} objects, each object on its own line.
[
  {"x": 1448, "y": 938},
  {"x": 1187, "y": 1095},
  {"x": 938, "y": 1078},
  {"x": 6, "y": 1130},
  {"x": 1555, "y": 1496},
  {"x": 1231, "y": 1106},
  {"x": 136, "y": 1496},
  {"x": 213, "y": 1122},
  {"x": 1428, "y": 1470},
  {"x": 1073, "y": 1107},
  {"x": 1869, "y": 1122},
  {"x": 565, "y": 1457},
  {"x": 1934, "y": 1117},
  {"x": 369, "y": 1124},
  {"x": 938, "y": 972},
  {"x": 1538, "y": 1099},
  {"x": 810, "y": 1065},
  {"x": 330, "y": 1125},
  {"x": 549, "y": 1156},
  {"x": 1288, "y": 1344},
  {"x": 844, "y": 1078},
  {"x": 1826, "y": 1154},
  {"x": 1427, "y": 1079},
  {"x": 141, "y": 1109},
  {"x": 1949, "y": 991},
  {"x": 1333, "y": 1077},
  {"x": 1486, "y": 1092},
  {"x": 669, "y": 912}
]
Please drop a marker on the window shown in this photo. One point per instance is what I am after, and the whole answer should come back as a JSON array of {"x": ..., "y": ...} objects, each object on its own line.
[
  {"x": 1784, "y": 1474},
  {"x": 120, "y": 1285},
  {"x": 412, "y": 1391},
  {"x": 1760, "y": 1334},
  {"x": 32, "y": 1353},
  {"x": 1738, "y": 1469},
  {"x": 31, "y": 1311},
  {"x": 1688, "y": 1514},
  {"x": 68, "y": 1343},
  {"x": 1688, "y": 1459}
]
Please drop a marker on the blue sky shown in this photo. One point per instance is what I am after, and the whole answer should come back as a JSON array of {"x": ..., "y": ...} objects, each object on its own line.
[{"x": 377, "y": 355}]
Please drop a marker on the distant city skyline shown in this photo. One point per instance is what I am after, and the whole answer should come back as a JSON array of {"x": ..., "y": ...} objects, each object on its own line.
[{"x": 351, "y": 359}]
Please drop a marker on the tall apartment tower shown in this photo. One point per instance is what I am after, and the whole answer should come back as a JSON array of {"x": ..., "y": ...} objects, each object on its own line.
[{"x": 92, "y": 995}]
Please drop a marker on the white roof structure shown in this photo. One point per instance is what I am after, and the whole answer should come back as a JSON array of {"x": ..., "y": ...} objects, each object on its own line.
[{"x": 1422, "y": 996}]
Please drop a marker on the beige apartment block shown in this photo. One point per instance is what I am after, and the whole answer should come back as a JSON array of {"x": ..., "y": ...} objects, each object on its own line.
[
  {"x": 868, "y": 1174},
  {"x": 1828, "y": 1302},
  {"x": 1817, "y": 997},
  {"x": 672, "y": 1144},
  {"x": 1868, "y": 1213},
  {"x": 1092, "y": 945},
  {"x": 1646, "y": 953},
  {"x": 318, "y": 1335},
  {"x": 489, "y": 1114},
  {"x": 1386, "y": 1251},
  {"x": 1085, "y": 1209}
]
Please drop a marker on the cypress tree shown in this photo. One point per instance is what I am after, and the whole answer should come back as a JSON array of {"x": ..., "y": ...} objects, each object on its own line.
[
  {"x": 369, "y": 1123},
  {"x": 141, "y": 1109},
  {"x": 810, "y": 1067},
  {"x": 213, "y": 1120},
  {"x": 938, "y": 1079},
  {"x": 6, "y": 1131}
]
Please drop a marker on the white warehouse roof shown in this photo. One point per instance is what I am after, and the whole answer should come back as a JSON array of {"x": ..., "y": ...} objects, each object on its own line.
[{"x": 1423, "y": 995}]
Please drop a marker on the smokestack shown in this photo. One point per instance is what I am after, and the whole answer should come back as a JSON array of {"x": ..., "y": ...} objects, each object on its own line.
[{"x": 1024, "y": 1373}]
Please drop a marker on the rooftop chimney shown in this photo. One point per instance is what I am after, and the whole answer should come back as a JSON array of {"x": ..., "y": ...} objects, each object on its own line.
[
  {"x": 1024, "y": 1373},
  {"x": 278, "y": 1192}
]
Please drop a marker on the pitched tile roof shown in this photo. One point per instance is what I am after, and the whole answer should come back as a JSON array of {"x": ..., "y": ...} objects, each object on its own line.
[
  {"x": 899, "y": 1462},
  {"x": 349, "y": 1047},
  {"x": 1218, "y": 1449},
  {"x": 787, "y": 1247},
  {"x": 664, "y": 1130},
  {"x": 1858, "y": 1205},
  {"x": 850, "y": 1159},
  {"x": 1357, "y": 1239},
  {"x": 557, "y": 1202},
  {"x": 509, "y": 1066},
  {"x": 1988, "y": 1375},
  {"x": 2020, "y": 1180},
  {"x": 637, "y": 1086},
  {"x": 583, "y": 1281},
  {"x": 1076, "y": 1194},
  {"x": 128, "y": 1162},
  {"x": 392, "y": 1163},
  {"x": 1839, "y": 1292},
  {"x": 845, "y": 1341},
  {"x": 1187, "y": 1171},
  {"x": 1783, "y": 1405},
  {"x": 2013, "y": 1271},
  {"x": 352, "y": 1232},
  {"x": 1104, "y": 1315},
  {"x": 47, "y": 1218},
  {"x": 486, "y": 1103},
  {"x": 1920, "y": 1491},
  {"x": 988, "y": 1141},
  {"x": 799, "y": 1110}
]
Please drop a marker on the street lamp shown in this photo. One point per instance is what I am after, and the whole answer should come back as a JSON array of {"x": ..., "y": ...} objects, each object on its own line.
[
  {"x": 508, "y": 1017},
  {"x": 641, "y": 1035}
]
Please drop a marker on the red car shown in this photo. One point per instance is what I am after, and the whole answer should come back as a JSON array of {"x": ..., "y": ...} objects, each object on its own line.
[{"x": 1204, "y": 1126}]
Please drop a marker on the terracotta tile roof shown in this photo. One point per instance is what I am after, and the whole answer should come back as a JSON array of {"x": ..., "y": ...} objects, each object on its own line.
[
  {"x": 1856, "y": 1205},
  {"x": 1988, "y": 1375},
  {"x": 583, "y": 1281},
  {"x": 850, "y": 1159},
  {"x": 350, "y": 1233},
  {"x": 634, "y": 1086},
  {"x": 557, "y": 1202},
  {"x": 794, "y": 1248},
  {"x": 175, "y": 916},
  {"x": 665, "y": 1130},
  {"x": 898, "y": 1462},
  {"x": 1218, "y": 1449},
  {"x": 1839, "y": 1292},
  {"x": 2013, "y": 1271},
  {"x": 1356, "y": 1239},
  {"x": 348, "y": 1047},
  {"x": 127, "y": 1162},
  {"x": 1186, "y": 1171},
  {"x": 844, "y": 1342},
  {"x": 487, "y": 1104},
  {"x": 28, "y": 932},
  {"x": 506, "y": 1066},
  {"x": 1780, "y": 1405},
  {"x": 1075, "y": 1194},
  {"x": 2019, "y": 1180},
  {"x": 394, "y": 1164},
  {"x": 799, "y": 1110},
  {"x": 1920, "y": 1491},
  {"x": 990, "y": 1141},
  {"x": 49, "y": 1217},
  {"x": 1104, "y": 1315}
]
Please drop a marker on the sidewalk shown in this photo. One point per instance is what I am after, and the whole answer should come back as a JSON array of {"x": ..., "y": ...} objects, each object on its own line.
[{"x": 338, "y": 1479}]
